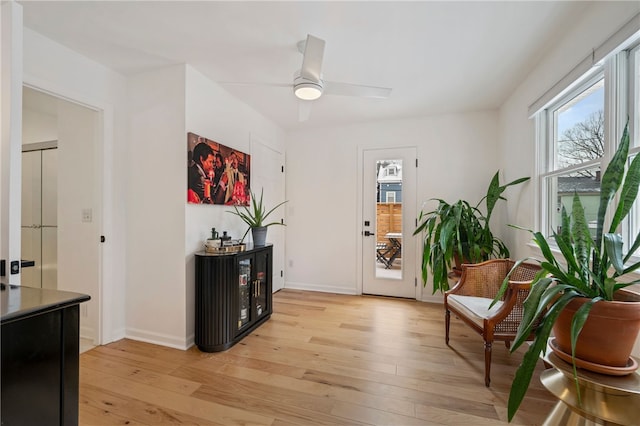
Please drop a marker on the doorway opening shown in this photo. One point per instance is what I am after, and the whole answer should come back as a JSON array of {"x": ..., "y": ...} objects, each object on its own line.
[{"x": 61, "y": 201}]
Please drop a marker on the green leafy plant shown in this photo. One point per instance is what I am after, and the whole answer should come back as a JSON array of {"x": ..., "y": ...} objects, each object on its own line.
[
  {"x": 257, "y": 215},
  {"x": 460, "y": 230},
  {"x": 589, "y": 266}
]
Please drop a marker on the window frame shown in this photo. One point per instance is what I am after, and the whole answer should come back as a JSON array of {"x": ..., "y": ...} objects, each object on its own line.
[
  {"x": 389, "y": 195},
  {"x": 621, "y": 73},
  {"x": 546, "y": 131}
]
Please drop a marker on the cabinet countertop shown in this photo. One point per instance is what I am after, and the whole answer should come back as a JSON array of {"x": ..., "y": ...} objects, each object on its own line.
[
  {"x": 19, "y": 302},
  {"x": 249, "y": 248}
]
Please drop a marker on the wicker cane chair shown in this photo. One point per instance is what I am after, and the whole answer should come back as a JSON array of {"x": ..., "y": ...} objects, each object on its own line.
[{"x": 470, "y": 298}]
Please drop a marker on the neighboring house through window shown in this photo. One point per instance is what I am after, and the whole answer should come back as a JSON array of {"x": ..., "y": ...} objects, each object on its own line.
[{"x": 390, "y": 182}]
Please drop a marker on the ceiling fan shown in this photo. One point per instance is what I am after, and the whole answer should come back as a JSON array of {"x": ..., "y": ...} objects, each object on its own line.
[{"x": 308, "y": 84}]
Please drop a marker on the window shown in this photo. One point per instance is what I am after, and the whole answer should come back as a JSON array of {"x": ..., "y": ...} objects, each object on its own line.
[
  {"x": 392, "y": 171},
  {"x": 575, "y": 150},
  {"x": 391, "y": 197},
  {"x": 579, "y": 131},
  {"x": 633, "y": 228}
]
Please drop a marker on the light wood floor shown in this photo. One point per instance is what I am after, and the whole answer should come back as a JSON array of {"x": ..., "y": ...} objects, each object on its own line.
[{"x": 322, "y": 359}]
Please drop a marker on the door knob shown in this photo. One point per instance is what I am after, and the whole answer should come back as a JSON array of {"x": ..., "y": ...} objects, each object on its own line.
[{"x": 367, "y": 233}]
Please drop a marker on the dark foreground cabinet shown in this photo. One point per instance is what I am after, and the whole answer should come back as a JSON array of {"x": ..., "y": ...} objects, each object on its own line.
[
  {"x": 40, "y": 355},
  {"x": 233, "y": 296}
]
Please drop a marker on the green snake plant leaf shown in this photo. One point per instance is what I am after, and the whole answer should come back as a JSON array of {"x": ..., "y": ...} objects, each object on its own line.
[
  {"x": 613, "y": 248},
  {"x": 609, "y": 287},
  {"x": 581, "y": 238},
  {"x": 629, "y": 191},
  {"x": 579, "y": 318},
  {"x": 631, "y": 268},
  {"x": 494, "y": 192},
  {"x": 568, "y": 252},
  {"x": 541, "y": 241},
  {"x": 530, "y": 359},
  {"x": 532, "y": 310},
  {"x": 611, "y": 181},
  {"x": 564, "y": 277},
  {"x": 577, "y": 322},
  {"x": 505, "y": 282}
]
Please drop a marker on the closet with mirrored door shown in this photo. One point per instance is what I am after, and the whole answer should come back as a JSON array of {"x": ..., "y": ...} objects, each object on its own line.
[{"x": 40, "y": 214}]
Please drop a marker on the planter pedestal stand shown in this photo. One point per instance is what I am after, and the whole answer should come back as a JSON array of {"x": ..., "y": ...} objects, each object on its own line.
[{"x": 606, "y": 400}]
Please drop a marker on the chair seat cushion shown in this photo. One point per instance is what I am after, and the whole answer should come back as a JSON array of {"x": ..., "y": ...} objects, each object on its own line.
[{"x": 474, "y": 308}]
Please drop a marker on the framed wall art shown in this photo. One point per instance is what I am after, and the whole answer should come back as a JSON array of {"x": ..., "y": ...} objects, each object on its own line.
[{"x": 216, "y": 174}]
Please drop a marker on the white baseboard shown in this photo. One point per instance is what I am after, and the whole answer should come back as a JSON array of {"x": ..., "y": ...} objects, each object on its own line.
[
  {"x": 87, "y": 333},
  {"x": 316, "y": 287},
  {"x": 158, "y": 338}
]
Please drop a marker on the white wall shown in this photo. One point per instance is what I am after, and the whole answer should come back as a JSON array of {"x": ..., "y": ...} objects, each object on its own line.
[
  {"x": 155, "y": 207},
  {"x": 11, "y": 59},
  {"x": 457, "y": 155},
  {"x": 517, "y": 142},
  {"x": 38, "y": 126},
  {"x": 57, "y": 70}
]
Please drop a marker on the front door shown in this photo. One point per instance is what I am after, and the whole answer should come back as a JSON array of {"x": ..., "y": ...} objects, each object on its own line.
[{"x": 389, "y": 212}]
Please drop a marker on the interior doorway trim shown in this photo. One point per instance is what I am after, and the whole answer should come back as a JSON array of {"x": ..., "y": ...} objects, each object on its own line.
[
  {"x": 38, "y": 146},
  {"x": 105, "y": 134},
  {"x": 360, "y": 218}
]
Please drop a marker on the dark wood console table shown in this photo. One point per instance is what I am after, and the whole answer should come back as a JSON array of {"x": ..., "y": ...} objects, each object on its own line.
[
  {"x": 233, "y": 296},
  {"x": 40, "y": 355}
]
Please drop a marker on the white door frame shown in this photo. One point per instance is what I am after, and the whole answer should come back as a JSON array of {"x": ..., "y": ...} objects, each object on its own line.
[
  {"x": 276, "y": 234},
  {"x": 103, "y": 155},
  {"x": 360, "y": 219}
]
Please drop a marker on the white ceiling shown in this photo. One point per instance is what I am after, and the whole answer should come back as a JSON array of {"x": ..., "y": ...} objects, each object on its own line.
[{"x": 438, "y": 57}]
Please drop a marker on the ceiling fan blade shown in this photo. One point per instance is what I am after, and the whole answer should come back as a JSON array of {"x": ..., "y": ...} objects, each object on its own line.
[
  {"x": 239, "y": 83},
  {"x": 304, "y": 110},
  {"x": 346, "y": 89},
  {"x": 312, "y": 60}
]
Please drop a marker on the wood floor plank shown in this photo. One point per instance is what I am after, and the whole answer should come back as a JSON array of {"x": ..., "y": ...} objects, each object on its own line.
[
  {"x": 207, "y": 411},
  {"x": 104, "y": 404},
  {"x": 149, "y": 377},
  {"x": 322, "y": 358}
]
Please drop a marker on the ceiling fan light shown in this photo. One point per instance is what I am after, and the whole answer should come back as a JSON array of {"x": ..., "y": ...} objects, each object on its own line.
[{"x": 307, "y": 91}]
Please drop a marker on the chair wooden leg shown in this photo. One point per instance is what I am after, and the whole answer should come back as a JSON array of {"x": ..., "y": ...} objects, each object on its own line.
[
  {"x": 447, "y": 320},
  {"x": 487, "y": 363},
  {"x": 507, "y": 343}
]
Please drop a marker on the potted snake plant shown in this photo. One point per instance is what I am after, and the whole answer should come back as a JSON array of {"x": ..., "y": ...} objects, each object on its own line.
[
  {"x": 585, "y": 277},
  {"x": 256, "y": 218},
  {"x": 460, "y": 232}
]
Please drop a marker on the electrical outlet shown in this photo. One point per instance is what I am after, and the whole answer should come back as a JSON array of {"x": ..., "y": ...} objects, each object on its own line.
[
  {"x": 87, "y": 215},
  {"x": 290, "y": 263}
]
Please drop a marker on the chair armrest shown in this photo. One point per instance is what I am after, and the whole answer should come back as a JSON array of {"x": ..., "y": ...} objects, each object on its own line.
[{"x": 516, "y": 292}]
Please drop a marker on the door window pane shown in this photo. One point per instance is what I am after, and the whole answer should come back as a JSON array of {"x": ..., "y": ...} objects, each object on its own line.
[{"x": 389, "y": 219}]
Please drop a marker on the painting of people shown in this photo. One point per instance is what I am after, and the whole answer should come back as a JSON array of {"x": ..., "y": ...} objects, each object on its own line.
[{"x": 216, "y": 174}]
